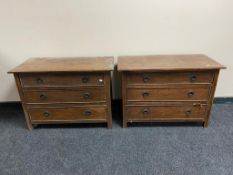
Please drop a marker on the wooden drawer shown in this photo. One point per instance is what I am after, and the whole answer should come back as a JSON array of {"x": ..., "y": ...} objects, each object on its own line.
[
  {"x": 61, "y": 79},
  {"x": 165, "y": 112},
  {"x": 200, "y": 93},
  {"x": 144, "y": 78},
  {"x": 65, "y": 96},
  {"x": 68, "y": 113}
]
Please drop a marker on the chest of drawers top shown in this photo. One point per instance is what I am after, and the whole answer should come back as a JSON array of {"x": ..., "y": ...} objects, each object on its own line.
[
  {"x": 70, "y": 64},
  {"x": 167, "y": 63}
]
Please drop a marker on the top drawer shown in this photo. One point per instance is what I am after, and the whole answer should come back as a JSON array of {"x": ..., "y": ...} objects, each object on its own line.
[
  {"x": 61, "y": 79},
  {"x": 147, "y": 78}
]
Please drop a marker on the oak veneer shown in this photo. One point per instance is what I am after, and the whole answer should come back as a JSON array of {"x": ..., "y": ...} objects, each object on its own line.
[
  {"x": 167, "y": 62},
  {"x": 65, "y": 90},
  {"x": 62, "y": 80},
  {"x": 68, "y": 113},
  {"x": 80, "y": 95},
  {"x": 71, "y": 64},
  {"x": 169, "y": 88}
]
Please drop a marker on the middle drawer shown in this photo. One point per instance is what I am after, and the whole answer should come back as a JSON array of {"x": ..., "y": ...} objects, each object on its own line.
[
  {"x": 169, "y": 93},
  {"x": 65, "y": 95}
]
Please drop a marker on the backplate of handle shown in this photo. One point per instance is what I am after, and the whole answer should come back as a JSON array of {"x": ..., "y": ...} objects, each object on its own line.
[
  {"x": 86, "y": 95},
  {"x": 193, "y": 78},
  {"x": 145, "y": 78},
  {"x": 46, "y": 114},
  {"x": 190, "y": 93},
  {"x": 145, "y": 111},
  {"x": 145, "y": 94},
  {"x": 85, "y": 79},
  {"x": 39, "y": 80},
  {"x": 87, "y": 112},
  {"x": 188, "y": 112},
  {"x": 43, "y": 97}
]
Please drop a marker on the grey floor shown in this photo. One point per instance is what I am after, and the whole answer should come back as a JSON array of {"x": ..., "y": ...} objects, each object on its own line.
[{"x": 94, "y": 150}]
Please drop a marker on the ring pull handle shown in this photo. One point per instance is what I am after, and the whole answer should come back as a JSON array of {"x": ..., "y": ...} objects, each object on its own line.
[
  {"x": 193, "y": 78},
  {"x": 190, "y": 93},
  {"x": 46, "y": 114},
  {"x": 146, "y": 78},
  {"x": 145, "y": 94},
  {"x": 43, "y": 97},
  {"x": 86, "y": 95},
  {"x": 188, "y": 112},
  {"x": 87, "y": 112},
  {"x": 39, "y": 81},
  {"x": 85, "y": 79},
  {"x": 145, "y": 111}
]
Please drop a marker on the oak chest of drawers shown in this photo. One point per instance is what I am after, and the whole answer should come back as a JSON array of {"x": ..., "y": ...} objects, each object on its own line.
[
  {"x": 65, "y": 90},
  {"x": 168, "y": 88}
]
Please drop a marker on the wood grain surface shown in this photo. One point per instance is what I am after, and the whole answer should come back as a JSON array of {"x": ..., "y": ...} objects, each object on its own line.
[
  {"x": 78, "y": 64},
  {"x": 167, "y": 62},
  {"x": 50, "y": 80},
  {"x": 53, "y": 114}
]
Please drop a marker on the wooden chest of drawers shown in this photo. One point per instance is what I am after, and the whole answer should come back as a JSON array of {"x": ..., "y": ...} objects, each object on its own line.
[
  {"x": 168, "y": 88},
  {"x": 65, "y": 90}
]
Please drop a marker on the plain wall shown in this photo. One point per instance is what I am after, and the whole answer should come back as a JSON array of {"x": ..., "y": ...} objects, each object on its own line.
[{"x": 32, "y": 28}]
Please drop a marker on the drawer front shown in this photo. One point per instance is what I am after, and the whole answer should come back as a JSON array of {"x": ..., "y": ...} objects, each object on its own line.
[
  {"x": 61, "y": 80},
  {"x": 134, "y": 78},
  {"x": 168, "y": 93},
  {"x": 67, "y": 113},
  {"x": 165, "y": 112},
  {"x": 64, "y": 96}
]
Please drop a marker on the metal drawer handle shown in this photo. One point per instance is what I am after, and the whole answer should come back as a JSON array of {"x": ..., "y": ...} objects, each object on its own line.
[
  {"x": 188, "y": 112},
  {"x": 193, "y": 78},
  {"x": 39, "y": 80},
  {"x": 46, "y": 114},
  {"x": 145, "y": 111},
  {"x": 190, "y": 93},
  {"x": 43, "y": 97},
  {"x": 145, "y": 79},
  {"x": 145, "y": 94},
  {"x": 85, "y": 79},
  {"x": 86, "y": 95},
  {"x": 87, "y": 113}
]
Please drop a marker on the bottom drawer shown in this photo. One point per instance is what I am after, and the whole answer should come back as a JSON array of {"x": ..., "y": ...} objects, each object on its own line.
[
  {"x": 68, "y": 113},
  {"x": 165, "y": 112}
]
